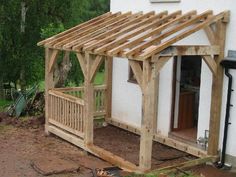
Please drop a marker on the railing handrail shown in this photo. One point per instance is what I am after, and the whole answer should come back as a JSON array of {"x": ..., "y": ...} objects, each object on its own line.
[
  {"x": 67, "y": 89},
  {"x": 67, "y": 97}
]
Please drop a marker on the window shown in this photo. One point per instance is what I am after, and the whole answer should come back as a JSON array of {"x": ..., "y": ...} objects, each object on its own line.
[
  {"x": 152, "y": 1},
  {"x": 131, "y": 76}
]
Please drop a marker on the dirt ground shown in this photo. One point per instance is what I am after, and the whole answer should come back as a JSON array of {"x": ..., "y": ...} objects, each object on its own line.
[
  {"x": 23, "y": 142},
  {"x": 126, "y": 145}
]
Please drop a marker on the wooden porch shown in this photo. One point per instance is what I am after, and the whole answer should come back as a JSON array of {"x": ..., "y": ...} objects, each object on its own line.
[{"x": 147, "y": 41}]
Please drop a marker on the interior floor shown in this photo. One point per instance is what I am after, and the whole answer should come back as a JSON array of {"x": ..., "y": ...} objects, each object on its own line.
[
  {"x": 189, "y": 134},
  {"x": 126, "y": 145}
]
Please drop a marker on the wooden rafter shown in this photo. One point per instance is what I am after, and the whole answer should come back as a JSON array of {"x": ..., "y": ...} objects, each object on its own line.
[
  {"x": 95, "y": 29},
  {"x": 184, "y": 34},
  {"x": 135, "y": 36},
  {"x": 134, "y": 33}
]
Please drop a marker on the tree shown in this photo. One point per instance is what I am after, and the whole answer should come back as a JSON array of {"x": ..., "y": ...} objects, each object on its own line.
[{"x": 21, "y": 25}]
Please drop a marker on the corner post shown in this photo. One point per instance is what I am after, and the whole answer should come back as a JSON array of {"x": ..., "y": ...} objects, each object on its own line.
[
  {"x": 108, "y": 82},
  {"x": 89, "y": 100},
  {"x": 49, "y": 84},
  {"x": 149, "y": 108},
  {"x": 217, "y": 88}
]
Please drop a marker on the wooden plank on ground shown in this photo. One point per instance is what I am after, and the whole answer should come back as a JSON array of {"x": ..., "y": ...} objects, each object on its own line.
[{"x": 112, "y": 158}]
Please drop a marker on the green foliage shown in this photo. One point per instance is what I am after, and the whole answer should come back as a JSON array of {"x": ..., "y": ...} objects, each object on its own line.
[
  {"x": 20, "y": 59},
  {"x": 51, "y": 30},
  {"x": 3, "y": 104},
  {"x": 99, "y": 78}
]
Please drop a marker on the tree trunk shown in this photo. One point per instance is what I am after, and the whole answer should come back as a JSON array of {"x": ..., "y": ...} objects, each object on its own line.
[
  {"x": 1, "y": 88},
  {"x": 23, "y": 16},
  {"x": 22, "y": 29},
  {"x": 62, "y": 71}
]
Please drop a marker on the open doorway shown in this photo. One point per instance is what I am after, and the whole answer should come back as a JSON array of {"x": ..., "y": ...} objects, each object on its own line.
[{"x": 187, "y": 80}]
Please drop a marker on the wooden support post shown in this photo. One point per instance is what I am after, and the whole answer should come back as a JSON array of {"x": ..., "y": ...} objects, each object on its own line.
[
  {"x": 108, "y": 83},
  {"x": 89, "y": 100},
  {"x": 49, "y": 84},
  {"x": 148, "y": 115},
  {"x": 217, "y": 87}
]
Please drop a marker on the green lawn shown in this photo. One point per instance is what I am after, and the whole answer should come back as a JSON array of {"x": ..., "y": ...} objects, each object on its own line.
[
  {"x": 99, "y": 78},
  {"x": 3, "y": 103}
]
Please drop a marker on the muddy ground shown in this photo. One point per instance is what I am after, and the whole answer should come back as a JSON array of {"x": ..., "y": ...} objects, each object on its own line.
[
  {"x": 23, "y": 142},
  {"x": 126, "y": 145}
]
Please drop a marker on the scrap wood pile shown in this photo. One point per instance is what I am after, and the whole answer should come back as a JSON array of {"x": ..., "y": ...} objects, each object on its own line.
[{"x": 29, "y": 102}]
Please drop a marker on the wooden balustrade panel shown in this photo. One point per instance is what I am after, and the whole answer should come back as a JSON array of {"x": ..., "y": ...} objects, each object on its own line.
[
  {"x": 99, "y": 101},
  {"x": 66, "y": 114}
]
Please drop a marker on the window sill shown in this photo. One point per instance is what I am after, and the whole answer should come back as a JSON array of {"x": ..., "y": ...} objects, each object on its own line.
[{"x": 132, "y": 81}]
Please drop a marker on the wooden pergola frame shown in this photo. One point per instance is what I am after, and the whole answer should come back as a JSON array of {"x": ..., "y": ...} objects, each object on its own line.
[{"x": 149, "y": 38}]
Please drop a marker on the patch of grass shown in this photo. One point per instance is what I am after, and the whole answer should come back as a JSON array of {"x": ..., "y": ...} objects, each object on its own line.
[
  {"x": 41, "y": 85},
  {"x": 99, "y": 78},
  {"x": 4, "y": 103}
]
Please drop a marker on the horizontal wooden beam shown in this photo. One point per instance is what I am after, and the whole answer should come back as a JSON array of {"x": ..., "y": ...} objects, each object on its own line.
[
  {"x": 66, "y": 97},
  {"x": 190, "y": 50},
  {"x": 63, "y": 127},
  {"x": 184, "y": 165},
  {"x": 67, "y": 136},
  {"x": 112, "y": 158}
]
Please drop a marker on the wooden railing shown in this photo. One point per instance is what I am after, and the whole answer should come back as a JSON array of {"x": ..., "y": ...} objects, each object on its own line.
[
  {"x": 99, "y": 101},
  {"x": 74, "y": 91},
  {"x": 66, "y": 112},
  {"x": 99, "y": 97}
]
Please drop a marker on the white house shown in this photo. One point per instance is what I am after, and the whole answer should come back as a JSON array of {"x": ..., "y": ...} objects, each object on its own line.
[{"x": 184, "y": 84}]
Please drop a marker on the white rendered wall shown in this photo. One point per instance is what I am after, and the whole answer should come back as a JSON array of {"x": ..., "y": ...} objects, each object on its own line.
[{"x": 126, "y": 104}]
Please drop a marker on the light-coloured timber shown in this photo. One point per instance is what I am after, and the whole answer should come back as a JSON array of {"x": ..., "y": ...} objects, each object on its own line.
[
  {"x": 66, "y": 136},
  {"x": 210, "y": 63},
  {"x": 169, "y": 21},
  {"x": 184, "y": 165},
  {"x": 190, "y": 50},
  {"x": 114, "y": 159},
  {"x": 146, "y": 38},
  {"x": 66, "y": 97},
  {"x": 108, "y": 82},
  {"x": 217, "y": 88}
]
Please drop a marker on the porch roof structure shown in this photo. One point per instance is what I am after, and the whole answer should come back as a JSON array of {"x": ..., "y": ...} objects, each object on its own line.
[
  {"x": 147, "y": 40},
  {"x": 133, "y": 35}
]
